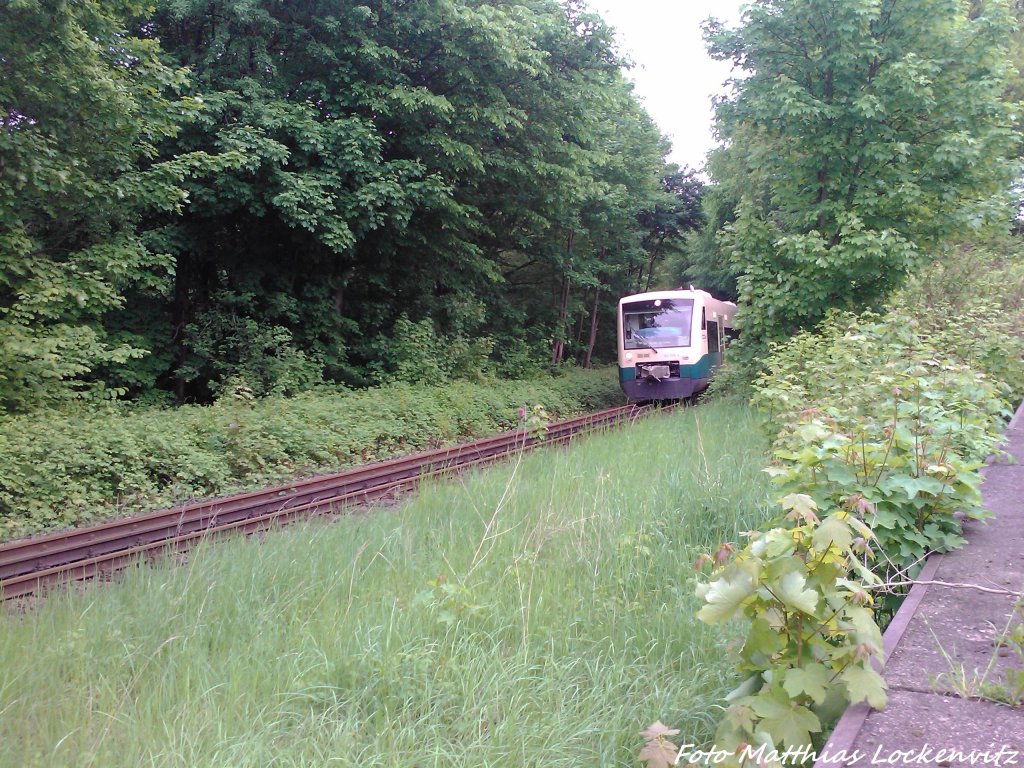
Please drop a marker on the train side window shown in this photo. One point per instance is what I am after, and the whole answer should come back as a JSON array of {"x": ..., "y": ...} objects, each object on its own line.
[
  {"x": 713, "y": 336},
  {"x": 703, "y": 319}
]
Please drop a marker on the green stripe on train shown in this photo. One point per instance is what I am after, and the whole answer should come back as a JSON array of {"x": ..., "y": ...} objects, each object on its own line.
[{"x": 699, "y": 370}]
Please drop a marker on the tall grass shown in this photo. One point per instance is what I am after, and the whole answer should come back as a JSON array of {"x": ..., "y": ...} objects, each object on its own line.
[{"x": 539, "y": 613}]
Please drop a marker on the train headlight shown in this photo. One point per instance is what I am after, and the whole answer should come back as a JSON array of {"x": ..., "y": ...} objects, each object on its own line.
[{"x": 629, "y": 356}]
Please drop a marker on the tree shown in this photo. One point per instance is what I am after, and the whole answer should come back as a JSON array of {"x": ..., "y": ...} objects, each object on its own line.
[
  {"x": 424, "y": 160},
  {"x": 700, "y": 259},
  {"x": 82, "y": 105},
  {"x": 667, "y": 222},
  {"x": 864, "y": 132}
]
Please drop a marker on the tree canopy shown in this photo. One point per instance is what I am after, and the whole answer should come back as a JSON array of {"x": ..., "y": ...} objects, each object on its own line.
[
  {"x": 285, "y": 194},
  {"x": 198, "y": 191},
  {"x": 83, "y": 105},
  {"x": 860, "y": 133}
]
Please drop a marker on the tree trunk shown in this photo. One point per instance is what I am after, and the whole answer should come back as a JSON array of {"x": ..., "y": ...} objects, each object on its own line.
[
  {"x": 179, "y": 320},
  {"x": 558, "y": 343},
  {"x": 578, "y": 336},
  {"x": 655, "y": 252},
  {"x": 593, "y": 328}
]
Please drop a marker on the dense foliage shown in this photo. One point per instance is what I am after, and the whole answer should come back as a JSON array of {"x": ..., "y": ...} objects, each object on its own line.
[
  {"x": 880, "y": 428},
  {"x": 278, "y": 191},
  {"x": 83, "y": 104},
  {"x": 59, "y": 469},
  {"x": 864, "y": 133},
  {"x": 971, "y": 301}
]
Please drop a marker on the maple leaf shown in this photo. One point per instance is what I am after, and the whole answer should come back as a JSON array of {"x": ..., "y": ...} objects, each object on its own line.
[
  {"x": 660, "y": 753},
  {"x": 813, "y": 680},
  {"x": 657, "y": 729},
  {"x": 724, "y": 597},
  {"x": 740, "y": 717},
  {"x": 786, "y": 721},
  {"x": 792, "y": 593},
  {"x": 863, "y": 683},
  {"x": 801, "y": 506},
  {"x": 832, "y": 531}
]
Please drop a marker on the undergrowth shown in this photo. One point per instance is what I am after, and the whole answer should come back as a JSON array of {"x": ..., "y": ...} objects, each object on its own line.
[
  {"x": 879, "y": 426},
  {"x": 66, "y": 468}
]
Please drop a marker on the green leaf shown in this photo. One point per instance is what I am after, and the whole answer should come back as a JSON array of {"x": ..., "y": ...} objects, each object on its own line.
[
  {"x": 863, "y": 683},
  {"x": 833, "y": 530},
  {"x": 724, "y": 597},
  {"x": 762, "y": 641},
  {"x": 913, "y": 486},
  {"x": 840, "y": 472},
  {"x": 790, "y": 590},
  {"x": 787, "y": 722},
  {"x": 812, "y": 679},
  {"x": 802, "y": 505},
  {"x": 740, "y": 717}
]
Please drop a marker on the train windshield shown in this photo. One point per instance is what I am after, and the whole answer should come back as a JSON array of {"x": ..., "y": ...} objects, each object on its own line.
[{"x": 657, "y": 323}]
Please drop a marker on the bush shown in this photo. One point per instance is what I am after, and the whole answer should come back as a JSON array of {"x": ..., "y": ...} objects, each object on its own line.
[
  {"x": 872, "y": 408},
  {"x": 972, "y": 304},
  {"x": 417, "y": 354},
  {"x": 880, "y": 427},
  {"x": 65, "y": 468}
]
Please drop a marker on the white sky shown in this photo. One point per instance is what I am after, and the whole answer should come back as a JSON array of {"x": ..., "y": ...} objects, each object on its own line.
[{"x": 674, "y": 76}]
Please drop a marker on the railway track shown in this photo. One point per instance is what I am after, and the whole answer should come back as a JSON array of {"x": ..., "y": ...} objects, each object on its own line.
[{"x": 28, "y": 566}]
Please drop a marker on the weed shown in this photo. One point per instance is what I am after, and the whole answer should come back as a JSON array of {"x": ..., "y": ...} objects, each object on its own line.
[
  {"x": 1002, "y": 679},
  {"x": 519, "y": 616}
]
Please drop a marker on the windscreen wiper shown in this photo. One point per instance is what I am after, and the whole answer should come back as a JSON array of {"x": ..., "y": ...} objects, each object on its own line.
[{"x": 645, "y": 342}]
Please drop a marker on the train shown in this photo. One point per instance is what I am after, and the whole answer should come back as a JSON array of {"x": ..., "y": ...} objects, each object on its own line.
[{"x": 670, "y": 342}]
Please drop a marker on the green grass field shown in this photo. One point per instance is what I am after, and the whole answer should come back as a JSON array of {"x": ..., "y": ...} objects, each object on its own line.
[{"x": 540, "y": 613}]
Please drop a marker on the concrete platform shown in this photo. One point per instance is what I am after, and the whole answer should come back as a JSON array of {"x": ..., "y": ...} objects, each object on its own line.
[{"x": 942, "y": 641}]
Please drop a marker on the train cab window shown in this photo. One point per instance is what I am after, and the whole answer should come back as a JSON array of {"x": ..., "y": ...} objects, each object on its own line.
[
  {"x": 656, "y": 323},
  {"x": 713, "y": 345}
]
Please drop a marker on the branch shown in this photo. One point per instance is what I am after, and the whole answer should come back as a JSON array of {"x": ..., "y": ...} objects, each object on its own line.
[{"x": 958, "y": 585}]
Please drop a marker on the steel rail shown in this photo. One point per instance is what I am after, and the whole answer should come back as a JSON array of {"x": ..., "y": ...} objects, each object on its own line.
[{"x": 28, "y": 565}]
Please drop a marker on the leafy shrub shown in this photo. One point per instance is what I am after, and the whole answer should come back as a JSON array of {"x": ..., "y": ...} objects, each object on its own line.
[
  {"x": 972, "y": 303},
  {"x": 65, "y": 468},
  {"x": 880, "y": 427},
  {"x": 415, "y": 353},
  {"x": 519, "y": 359},
  {"x": 811, "y": 630},
  {"x": 226, "y": 344},
  {"x": 868, "y": 407}
]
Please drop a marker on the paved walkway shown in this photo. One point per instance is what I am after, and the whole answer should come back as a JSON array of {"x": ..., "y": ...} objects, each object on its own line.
[{"x": 940, "y": 630}]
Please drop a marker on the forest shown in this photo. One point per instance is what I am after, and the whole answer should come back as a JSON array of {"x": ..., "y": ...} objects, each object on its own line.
[
  {"x": 295, "y": 193},
  {"x": 281, "y": 195}
]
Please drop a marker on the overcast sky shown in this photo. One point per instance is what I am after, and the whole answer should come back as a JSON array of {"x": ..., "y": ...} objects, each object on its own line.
[{"x": 674, "y": 76}]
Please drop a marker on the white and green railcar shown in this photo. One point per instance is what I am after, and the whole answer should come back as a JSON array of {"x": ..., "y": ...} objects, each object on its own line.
[{"x": 670, "y": 342}]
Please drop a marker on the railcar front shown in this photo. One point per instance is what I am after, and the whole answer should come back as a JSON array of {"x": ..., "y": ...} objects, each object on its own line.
[{"x": 669, "y": 343}]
